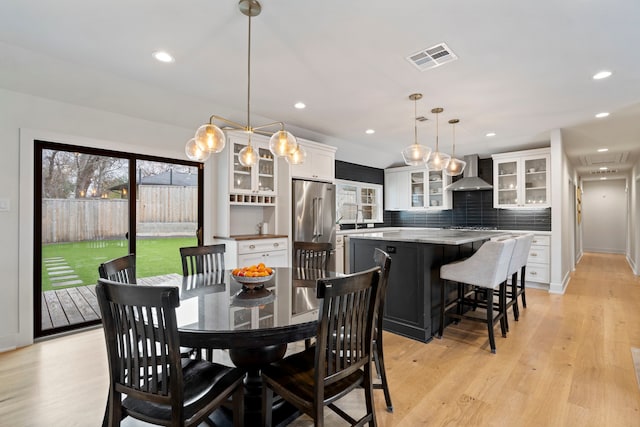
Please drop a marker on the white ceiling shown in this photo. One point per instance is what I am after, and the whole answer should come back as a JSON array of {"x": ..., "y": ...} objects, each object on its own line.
[{"x": 524, "y": 69}]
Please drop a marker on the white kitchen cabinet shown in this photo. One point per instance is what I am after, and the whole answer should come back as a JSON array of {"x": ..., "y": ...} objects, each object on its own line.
[
  {"x": 522, "y": 179},
  {"x": 413, "y": 188},
  {"x": 252, "y": 185},
  {"x": 538, "y": 262},
  {"x": 320, "y": 163},
  {"x": 396, "y": 189},
  {"x": 271, "y": 252}
]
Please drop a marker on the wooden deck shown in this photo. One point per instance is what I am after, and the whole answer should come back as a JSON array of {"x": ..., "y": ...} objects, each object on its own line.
[{"x": 72, "y": 306}]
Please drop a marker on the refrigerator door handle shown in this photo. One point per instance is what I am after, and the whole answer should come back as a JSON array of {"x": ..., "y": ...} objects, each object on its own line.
[
  {"x": 319, "y": 218},
  {"x": 314, "y": 219}
]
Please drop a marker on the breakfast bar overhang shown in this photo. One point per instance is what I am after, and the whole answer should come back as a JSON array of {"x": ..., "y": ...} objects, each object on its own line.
[{"x": 413, "y": 297}]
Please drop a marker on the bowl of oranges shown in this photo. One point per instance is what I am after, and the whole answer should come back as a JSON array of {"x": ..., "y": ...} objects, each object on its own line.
[{"x": 252, "y": 276}]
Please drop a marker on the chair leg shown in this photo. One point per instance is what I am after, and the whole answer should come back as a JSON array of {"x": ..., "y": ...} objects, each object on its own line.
[
  {"x": 368, "y": 396},
  {"x": 492, "y": 340},
  {"x": 522, "y": 287},
  {"x": 514, "y": 296},
  {"x": 238, "y": 406},
  {"x": 378, "y": 356}
]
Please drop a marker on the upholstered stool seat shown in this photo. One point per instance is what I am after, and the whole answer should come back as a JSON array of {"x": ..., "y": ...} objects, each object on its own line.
[{"x": 487, "y": 269}]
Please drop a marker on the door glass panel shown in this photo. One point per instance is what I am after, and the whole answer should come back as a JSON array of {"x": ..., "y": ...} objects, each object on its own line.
[
  {"x": 535, "y": 171},
  {"x": 417, "y": 189},
  {"x": 241, "y": 174},
  {"x": 167, "y": 216},
  {"x": 265, "y": 170},
  {"x": 508, "y": 183},
  {"x": 85, "y": 219}
]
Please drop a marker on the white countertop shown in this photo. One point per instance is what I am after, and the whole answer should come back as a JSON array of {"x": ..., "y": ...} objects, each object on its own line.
[{"x": 426, "y": 235}]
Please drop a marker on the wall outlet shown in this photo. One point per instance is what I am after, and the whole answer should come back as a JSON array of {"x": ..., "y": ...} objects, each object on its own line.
[
  {"x": 4, "y": 205},
  {"x": 369, "y": 225}
]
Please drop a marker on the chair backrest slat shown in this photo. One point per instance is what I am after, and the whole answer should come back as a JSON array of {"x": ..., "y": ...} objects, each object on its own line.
[{"x": 202, "y": 259}]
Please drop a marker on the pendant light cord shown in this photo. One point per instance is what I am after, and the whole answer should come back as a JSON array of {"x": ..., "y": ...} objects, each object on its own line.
[
  {"x": 249, "y": 73},
  {"x": 415, "y": 121}
]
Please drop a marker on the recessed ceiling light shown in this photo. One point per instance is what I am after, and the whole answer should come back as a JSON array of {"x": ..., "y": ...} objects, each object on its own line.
[
  {"x": 604, "y": 168},
  {"x": 163, "y": 56},
  {"x": 603, "y": 178},
  {"x": 602, "y": 150},
  {"x": 369, "y": 131},
  {"x": 601, "y": 115},
  {"x": 299, "y": 105},
  {"x": 491, "y": 134},
  {"x": 601, "y": 75}
]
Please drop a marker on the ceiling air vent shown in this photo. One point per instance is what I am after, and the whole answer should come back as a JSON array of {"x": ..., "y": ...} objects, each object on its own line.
[
  {"x": 432, "y": 57},
  {"x": 604, "y": 172}
]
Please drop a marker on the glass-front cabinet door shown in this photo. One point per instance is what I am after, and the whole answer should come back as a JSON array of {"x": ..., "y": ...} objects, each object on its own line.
[
  {"x": 436, "y": 189},
  {"x": 521, "y": 180},
  {"x": 535, "y": 182},
  {"x": 417, "y": 182},
  {"x": 266, "y": 171},
  {"x": 507, "y": 182},
  {"x": 241, "y": 181}
]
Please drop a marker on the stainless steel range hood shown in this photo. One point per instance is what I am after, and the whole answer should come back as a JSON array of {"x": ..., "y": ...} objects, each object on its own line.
[{"x": 470, "y": 180}]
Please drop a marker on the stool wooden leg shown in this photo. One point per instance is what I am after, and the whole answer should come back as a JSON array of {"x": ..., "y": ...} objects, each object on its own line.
[
  {"x": 492, "y": 340},
  {"x": 443, "y": 303},
  {"x": 502, "y": 308},
  {"x": 514, "y": 296},
  {"x": 522, "y": 288}
]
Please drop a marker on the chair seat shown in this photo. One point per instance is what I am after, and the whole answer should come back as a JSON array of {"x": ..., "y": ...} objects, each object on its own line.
[
  {"x": 295, "y": 373},
  {"x": 201, "y": 378}
]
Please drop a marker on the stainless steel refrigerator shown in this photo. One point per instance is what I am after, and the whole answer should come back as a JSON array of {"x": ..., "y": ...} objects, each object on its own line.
[{"x": 314, "y": 212}]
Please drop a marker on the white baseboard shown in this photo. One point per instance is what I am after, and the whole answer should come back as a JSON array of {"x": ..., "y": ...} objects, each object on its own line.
[{"x": 633, "y": 265}]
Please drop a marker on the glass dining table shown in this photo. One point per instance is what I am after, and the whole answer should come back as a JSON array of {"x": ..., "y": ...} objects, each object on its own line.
[{"x": 254, "y": 322}]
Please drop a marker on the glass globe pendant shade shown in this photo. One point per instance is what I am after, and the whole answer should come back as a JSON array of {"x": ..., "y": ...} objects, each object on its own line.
[
  {"x": 455, "y": 167},
  {"x": 416, "y": 154},
  {"x": 210, "y": 138},
  {"x": 194, "y": 152},
  {"x": 282, "y": 143},
  {"x": 438, "y": 161},
  {"x": 297, "y": 157},
  {"x": 248, "y": 157}
]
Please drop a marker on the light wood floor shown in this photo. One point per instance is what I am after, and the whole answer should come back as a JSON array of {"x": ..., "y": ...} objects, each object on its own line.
[{"x": 567, "y": 362}]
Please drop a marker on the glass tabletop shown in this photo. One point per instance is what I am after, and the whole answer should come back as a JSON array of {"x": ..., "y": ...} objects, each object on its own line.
[{"x": 216, "y": 302}]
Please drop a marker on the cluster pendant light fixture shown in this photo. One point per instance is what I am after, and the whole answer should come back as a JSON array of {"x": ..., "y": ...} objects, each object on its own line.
[
  {"x": 416, "y": 154},
  {"x": 210, "y": 138},
  {"x": 455, "y": 166},
  {"x": 438, "y": 160}
]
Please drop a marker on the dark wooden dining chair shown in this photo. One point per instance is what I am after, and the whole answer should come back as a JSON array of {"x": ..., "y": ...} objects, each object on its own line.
[
  {"x": 382, "y": 260},
  {"x": 202, "y": 259},
  {"x": 143, "y": 351},
  {"x": 121, "y": 269},
  {"x": 319, "y": 375},
  {"x": 312, "y": 255}
]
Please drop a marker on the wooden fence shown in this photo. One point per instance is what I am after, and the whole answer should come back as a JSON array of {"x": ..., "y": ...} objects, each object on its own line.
[{"x": 72, "y": 220}]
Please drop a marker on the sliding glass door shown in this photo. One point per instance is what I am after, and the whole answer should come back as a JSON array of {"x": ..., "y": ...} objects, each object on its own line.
[{"x": 86, "y": 210}]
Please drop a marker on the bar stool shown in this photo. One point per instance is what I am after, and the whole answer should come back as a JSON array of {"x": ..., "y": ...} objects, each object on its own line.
[{"x": 487, "y": 268}]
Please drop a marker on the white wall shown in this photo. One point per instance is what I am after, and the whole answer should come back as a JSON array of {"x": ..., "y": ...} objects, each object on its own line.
[
  {"x": 605, "y": 216},
  {"x": 24, "y": 118},
  {"x": 562, "y": 216}
]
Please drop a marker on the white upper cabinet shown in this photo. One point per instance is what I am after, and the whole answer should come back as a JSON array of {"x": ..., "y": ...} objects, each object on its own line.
[
  {"x": 408, "y": 188},
  {"x": 319, "y": 165},
  {"x": 522, "y": 179},
  {"x": 396, "y": 189}
]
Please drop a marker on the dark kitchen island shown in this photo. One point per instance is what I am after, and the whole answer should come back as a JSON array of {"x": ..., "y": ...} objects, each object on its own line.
[{"x": 413, "y": 296}]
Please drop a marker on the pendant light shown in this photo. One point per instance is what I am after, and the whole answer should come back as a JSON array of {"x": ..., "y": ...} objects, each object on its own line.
[
  {"x": 438, "y": 160},
  {"x": 297, "y": 157},
  {"x": 416, "y": 154},
  {"x": 211, "y": 139},
  {"x": 455, "y": 166}
]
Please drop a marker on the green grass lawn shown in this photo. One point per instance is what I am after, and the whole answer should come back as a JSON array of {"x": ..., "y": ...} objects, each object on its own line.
[{"x": 154, "y": 257}]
